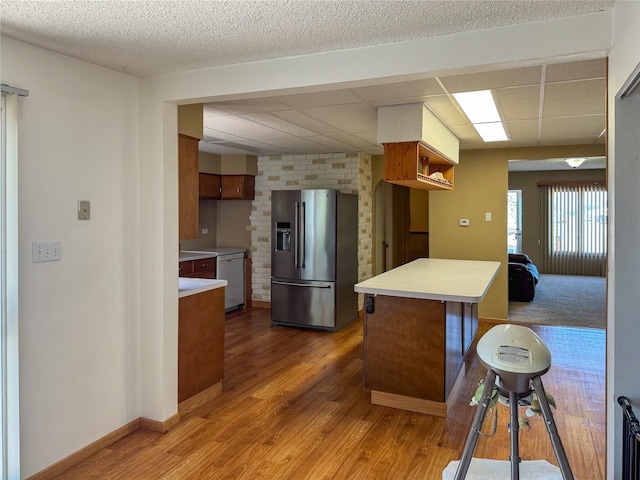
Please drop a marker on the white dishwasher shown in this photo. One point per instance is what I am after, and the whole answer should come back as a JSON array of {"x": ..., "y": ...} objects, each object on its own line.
[{"x": 231, "y": 269}]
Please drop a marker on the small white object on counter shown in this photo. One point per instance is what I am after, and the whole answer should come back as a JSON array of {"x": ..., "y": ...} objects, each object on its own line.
[
  {"x": 435, "y": 279},
  {"x": 190, "y": 286}
]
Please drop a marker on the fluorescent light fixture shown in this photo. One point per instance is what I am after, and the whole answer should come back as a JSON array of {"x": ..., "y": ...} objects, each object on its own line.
[
  {"x": 491, "y": 132},
  {"x": 574, "y": 162},
  {"x": 481, "y": 110}
]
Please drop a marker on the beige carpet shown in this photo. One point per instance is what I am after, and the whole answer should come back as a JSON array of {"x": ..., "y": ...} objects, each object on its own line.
[{"x": 564, "y": 300}]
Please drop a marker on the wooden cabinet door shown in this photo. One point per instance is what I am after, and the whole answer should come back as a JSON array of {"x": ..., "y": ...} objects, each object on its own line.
[
  {"x": 238, "y": 187},
  {"x": 204, "y": 268},
  {"x": 187, "y": 187},
  {"x": 185, "y": 269},
  {"x": 209, "y": 185}
]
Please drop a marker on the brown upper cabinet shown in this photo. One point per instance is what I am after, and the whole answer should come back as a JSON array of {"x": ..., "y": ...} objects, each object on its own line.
[
  {"x": 187, "y": 187},
  {"x": 238, "y": 187},
  {"x": 413, "y": 164},
  {"x": 210, "y": 185}
]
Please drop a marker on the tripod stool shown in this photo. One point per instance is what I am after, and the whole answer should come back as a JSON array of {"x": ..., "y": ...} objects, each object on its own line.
[{"x": 516, "y": 356}]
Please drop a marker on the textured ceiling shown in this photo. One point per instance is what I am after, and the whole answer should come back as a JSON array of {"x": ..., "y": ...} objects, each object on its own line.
[{"x": 561, "y": 104}]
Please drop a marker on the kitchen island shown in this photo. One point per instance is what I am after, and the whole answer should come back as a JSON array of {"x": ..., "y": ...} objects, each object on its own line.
[{"x": 420, "y": 320}]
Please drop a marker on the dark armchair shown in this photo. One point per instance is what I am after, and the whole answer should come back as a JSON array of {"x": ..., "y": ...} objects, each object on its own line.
[{"x": 523, "y": 278}]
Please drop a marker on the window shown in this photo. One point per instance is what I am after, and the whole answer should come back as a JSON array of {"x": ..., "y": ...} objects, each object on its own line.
[{"x": 574, "y": 228}]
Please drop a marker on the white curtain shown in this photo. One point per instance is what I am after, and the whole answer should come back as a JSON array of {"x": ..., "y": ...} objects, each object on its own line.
[
  {"x": 10, "y": 423},
  {"x": 573, "y": 228}
]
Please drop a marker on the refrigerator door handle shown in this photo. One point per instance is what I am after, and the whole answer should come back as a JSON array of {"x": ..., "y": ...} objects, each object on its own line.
[
  {"x": 297, "y": 234},
  {"x": 303, "y": 234},
  {"x": 308, "y": 285}
]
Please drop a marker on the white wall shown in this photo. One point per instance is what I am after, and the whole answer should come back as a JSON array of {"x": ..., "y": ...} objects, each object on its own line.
[
  {"x": 78, "y": 141},
  {"x": 624, "y": 237}
]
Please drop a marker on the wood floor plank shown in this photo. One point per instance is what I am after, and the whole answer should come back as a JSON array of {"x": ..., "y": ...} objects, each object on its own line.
[{"x": 293, "y": 406}]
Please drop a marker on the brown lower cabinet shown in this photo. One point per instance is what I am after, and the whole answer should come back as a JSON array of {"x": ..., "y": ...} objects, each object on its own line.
[
  {"x": 200, "y": 342},
  {"x": 203, "y": 268}
]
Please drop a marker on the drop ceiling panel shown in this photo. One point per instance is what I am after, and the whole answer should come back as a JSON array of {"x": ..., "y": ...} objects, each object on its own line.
[
  {"x": 587, "y": 126},
  {"x": 295, "y": 144},
  {"x": 400, "y": 90},
  {"x": 209, "y": 111},
  {"x": 444, "y": 108},
  {"x": 520, "y": 103},
  {"x": 358, "y": 144},
  {"x": 569, "y": 141},
  {"x": 320, "y": 99},
  {"x": 492, "y": 80},
  {"x": 252, "y": 105},
  {"x": 333, "y": 144},
  {"x": 584, "y": 97},
  {"x": 272, "y": 121},
  {"x": 245, "y": 128},
  {"x": 348, "y": 118},
  {"x": 562, "y": 72},
  {"x": 523, "y": 130},
  {"x": 306, "y": 121}
]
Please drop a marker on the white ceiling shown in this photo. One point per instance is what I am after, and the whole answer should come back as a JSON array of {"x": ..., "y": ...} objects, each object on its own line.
[{"x": 546, "y": 104}]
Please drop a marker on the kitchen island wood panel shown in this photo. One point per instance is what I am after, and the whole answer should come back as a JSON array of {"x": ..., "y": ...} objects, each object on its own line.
[{"x": 420, "y": 320}]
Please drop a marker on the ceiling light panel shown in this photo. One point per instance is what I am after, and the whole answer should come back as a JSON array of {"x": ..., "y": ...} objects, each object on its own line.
[
  {"x": 479, "y": 106},
  {"x": 492, "y": 131}
]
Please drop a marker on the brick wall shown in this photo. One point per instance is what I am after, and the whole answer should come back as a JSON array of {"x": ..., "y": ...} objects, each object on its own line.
[{"x": 347, "y": 172}]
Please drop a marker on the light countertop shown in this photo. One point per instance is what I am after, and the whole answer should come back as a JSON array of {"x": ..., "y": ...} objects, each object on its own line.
[
  {"x": 435, "y": 279},
  {"x": 190, "y": 286}
]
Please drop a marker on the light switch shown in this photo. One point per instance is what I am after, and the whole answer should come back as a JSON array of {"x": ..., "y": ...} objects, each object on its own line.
[
  {"x": 84, "y": 210},
  {"x": 487, "y": 217}
]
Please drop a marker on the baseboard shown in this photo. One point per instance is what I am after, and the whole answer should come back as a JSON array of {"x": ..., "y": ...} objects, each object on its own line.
[
  {"x": 158, "y": 426},
  {"x": 53, "y": 471},
  {"x": 492, "y": 321},
  {"x": 260, "y": 304}
]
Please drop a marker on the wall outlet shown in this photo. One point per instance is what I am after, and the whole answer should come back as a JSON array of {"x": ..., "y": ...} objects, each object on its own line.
[
  {"x": 464, "y": 222},
  {"x": 45, "y": 252},
  {"x": 205, "y": 231}
]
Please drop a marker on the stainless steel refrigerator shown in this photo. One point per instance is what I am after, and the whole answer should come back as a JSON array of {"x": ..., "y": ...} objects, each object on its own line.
[{"x": 314, "y": 258}]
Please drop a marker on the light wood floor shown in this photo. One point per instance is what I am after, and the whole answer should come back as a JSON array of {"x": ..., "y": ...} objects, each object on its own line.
[{"x": 293, "y": 407}]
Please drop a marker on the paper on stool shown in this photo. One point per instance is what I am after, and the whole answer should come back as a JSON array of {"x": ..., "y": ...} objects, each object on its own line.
[{"x": 485, "y": 469}]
